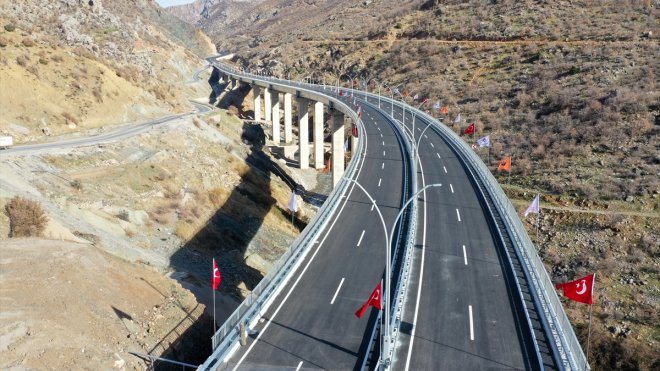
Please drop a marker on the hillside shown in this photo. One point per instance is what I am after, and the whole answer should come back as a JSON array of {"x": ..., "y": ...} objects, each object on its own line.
[
  {"x": 567, "y": 88},
  {"x": 67, "y": 66}
]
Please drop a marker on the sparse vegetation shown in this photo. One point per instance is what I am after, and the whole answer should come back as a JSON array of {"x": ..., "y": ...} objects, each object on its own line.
[
  {"x": 9, "y": 27},
  {"x": 76, "y": 184},
  {"x": 26, "y": 217}
]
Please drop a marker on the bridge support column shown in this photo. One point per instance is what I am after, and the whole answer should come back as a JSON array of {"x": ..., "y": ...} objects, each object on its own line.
[
  {"x": 288, "y": 120},
  {"x": 303, "y": 132},
  {"x": 318, "y": 135},
  {"x": 267, "y": 105},
  {"x": 337, "y": 146},
  {"x": 275, "y": 102},
  {"x": 256, "y": 92}
]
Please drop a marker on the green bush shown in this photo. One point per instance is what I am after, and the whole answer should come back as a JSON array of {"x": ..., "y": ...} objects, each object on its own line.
[{"x": 10, "y": 27}]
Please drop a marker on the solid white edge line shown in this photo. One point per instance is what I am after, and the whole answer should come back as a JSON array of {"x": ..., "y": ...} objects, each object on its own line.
[
  {"x": 471, "y": 325},
  {"x": 458, "y": 214},
  {"x": 360, "y": 240},
  {"x": 464, "y": 255},
  {"x": 336, "y": 292},
  {"x": 451, "y": 187},
  {"x": 299, "y": 365}
]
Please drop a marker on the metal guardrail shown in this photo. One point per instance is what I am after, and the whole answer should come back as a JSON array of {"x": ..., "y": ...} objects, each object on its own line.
[
  {"x": 259, "y": 299},
  {"x": 568, "y": 351},
  {"x": 566, "y": 347}
]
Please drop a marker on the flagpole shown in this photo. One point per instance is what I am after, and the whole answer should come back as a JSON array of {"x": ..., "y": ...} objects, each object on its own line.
[{"x": 590, "y": 308}]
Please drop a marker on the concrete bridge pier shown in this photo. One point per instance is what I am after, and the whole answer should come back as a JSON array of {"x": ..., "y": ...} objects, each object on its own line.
[
  {"x": 318, "y": 135},
  {"x": 256, "y": 92},
  {"x": 288, "y": 120},
  {"x": 337, "y": 125},
  {"x": 267, "y": 105},
  {"x": 275, "y": 103},
  {"x": 303, "y": 132}
]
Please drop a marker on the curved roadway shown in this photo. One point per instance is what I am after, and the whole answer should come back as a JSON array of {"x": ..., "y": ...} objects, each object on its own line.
[
  {"x": 312, "y": 324},
  {"x": 460, "y": 310}
]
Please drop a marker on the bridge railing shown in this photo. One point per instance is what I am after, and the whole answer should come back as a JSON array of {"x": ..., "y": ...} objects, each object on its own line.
[
  {"x": 258, "y": 301},
  {"x": 569, "y": 351}
]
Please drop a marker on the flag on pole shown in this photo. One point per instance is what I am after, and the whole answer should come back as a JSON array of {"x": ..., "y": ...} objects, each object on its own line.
[
  {"x": 505, "y": 164},
  {"x": 416, "y": 97},
  {"x": 293, "y": 203},
  {"x": 425, "y": 100},
  {"x": 436, "y": 105},
  {"x": 359, "y": 112},
  {"x": 458, "y": 118},
  {"x": 534, "y": 207},
  {"x": 374, "y": 300},
  {"x": 469, "y": 129},
  {"x": 484, "y": 142},
  {"x": 579, "y": 290},
  {"x": 396, "y": 91},
  {"x": 445, "y": 110},
  {"x": 216, "y": 276},
  {"x": 346, "y": 145}
]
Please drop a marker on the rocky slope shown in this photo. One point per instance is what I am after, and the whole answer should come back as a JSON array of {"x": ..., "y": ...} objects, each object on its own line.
[{"x": 67, "y": 65}]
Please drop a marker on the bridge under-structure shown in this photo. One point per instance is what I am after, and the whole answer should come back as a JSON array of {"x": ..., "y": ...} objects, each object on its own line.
[{"x": 283, "y": 325}]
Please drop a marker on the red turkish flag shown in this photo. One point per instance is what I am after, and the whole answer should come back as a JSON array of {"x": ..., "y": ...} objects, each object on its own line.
[
  {"x": 375, "y": 300},
  {"x": 469, "y": 129},
  {"x": 216, "y": 276},
  {"x": 579, "y": 290}
]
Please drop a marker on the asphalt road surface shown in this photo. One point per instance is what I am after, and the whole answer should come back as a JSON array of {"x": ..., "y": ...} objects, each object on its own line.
[
  {"x": 311, "y": 324},
  {"x": 124, "y": 131}
]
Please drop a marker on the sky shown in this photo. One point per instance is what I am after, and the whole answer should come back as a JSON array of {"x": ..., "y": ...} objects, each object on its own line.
[{"x": 165, "y": 3}]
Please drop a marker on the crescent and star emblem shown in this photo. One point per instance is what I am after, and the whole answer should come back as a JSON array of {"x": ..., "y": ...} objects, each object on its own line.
[
  {"x": 216, "y": 273},
  {"x": 584, "y": 287}
]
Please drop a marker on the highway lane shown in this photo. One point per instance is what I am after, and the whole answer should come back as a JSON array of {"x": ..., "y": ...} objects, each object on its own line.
[
  {"x": 122, "y": 132},
  {"x": 462, "y": 315},
  {"x": 311, "y": 324}
]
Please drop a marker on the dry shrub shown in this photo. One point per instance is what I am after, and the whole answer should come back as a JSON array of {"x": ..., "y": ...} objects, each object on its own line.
[
  {"x": 98, "y": 94},
  {"x": 218, "y": 197},
  {"x": 28, "y": 42},
  {"x": 185, "y": 231},
  {"x": 26, "y": 217},
  {"x": 57, "y": 58},
  {"x": 3, "y": 42},
  {"x": 70, "y": 117},
  {"x": 22, "y": 60},
  {"x": 76, "y": 184}
]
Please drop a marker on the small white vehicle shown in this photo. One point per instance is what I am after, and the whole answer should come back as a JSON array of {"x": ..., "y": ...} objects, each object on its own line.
[{"x": 6, "y": 142}]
